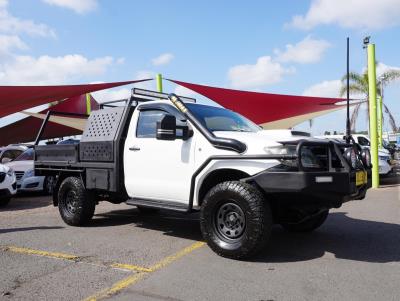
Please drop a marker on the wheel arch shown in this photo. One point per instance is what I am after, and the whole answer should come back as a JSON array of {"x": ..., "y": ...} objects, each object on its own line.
[{"x": 218, "y": 176}]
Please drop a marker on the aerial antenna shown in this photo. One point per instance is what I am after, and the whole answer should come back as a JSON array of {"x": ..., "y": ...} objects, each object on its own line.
[{"x": 348, "y": 130}]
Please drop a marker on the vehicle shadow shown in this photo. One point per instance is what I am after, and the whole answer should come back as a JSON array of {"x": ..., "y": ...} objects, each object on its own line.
[
  {"x": 23, "y": 229},
  {"x": 170, "y": 223},
  {"x": 343, "y": 236},
  {"x": 27, "y": 201}
]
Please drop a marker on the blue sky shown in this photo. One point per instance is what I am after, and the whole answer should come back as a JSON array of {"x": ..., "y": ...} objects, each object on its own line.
[{"x": 252, "y": 45}]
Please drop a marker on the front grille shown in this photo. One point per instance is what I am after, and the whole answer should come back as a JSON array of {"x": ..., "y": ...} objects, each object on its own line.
[
  {"x": 19, "y": 174},
  {"x": 2, "y": 176}
]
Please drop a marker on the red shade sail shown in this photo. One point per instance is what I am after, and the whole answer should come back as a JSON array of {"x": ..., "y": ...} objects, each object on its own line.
[
  {"x": 266, "y": 108},
  {"x": 14, "y": 99},
  {"x": 25, "y": 130}
]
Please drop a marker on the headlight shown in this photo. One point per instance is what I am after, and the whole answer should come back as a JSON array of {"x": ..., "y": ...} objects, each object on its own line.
[
  {"x": 366, "y": 157},
  {"x": 29, "y": 173},
  {"x": 351, "y": 157},
  {"x": 281, "y": 150},
  {"x": 10, "y": 172}
]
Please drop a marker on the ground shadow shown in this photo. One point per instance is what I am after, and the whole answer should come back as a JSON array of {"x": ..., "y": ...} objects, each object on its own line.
[
  {"x": 389, "y": 181},
  {"x": 23, "y": 229},
  {"x": 343, "y": 236},
  {"x": 27, "y": 201},
  {"x": 170, "y": 223}
]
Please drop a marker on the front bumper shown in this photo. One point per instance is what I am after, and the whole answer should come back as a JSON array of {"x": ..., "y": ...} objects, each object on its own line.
[
  {"x": 30, "y": 184},
  {"x": 333, "y": 183},
  {"x": 331, "y": 187}
]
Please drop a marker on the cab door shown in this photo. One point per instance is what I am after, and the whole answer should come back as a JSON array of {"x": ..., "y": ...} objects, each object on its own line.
[{"x": 156, "y": 169}]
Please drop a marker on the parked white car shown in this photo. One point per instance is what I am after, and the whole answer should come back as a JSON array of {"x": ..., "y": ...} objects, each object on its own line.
[
  {"x": 23, "y": 167},
  {"x": 11, "y": 152},
  {"x": 385, "y": 167},
  {"x": 8, "y": 185}
]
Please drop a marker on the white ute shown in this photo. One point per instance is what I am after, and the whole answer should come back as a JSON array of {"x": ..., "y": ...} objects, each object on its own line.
[
  {"x": 182, "y": 156},
  {"x": 8, "y": 186}
]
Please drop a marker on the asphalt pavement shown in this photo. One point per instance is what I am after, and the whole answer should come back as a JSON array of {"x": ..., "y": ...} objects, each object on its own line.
[{"x": 126, "y": 255}]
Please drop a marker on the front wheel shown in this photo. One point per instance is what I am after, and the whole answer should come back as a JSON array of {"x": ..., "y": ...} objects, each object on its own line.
[
  {"x": 309, "y": 224},
  {"x": 235, "y": 220},
  {"x": 75, "y": 203}
]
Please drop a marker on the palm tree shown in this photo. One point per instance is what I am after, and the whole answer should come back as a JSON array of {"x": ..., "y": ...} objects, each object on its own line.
[{"x": 359, "y": 86}]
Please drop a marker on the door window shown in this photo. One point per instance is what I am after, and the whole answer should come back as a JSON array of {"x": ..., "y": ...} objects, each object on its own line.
[{"x": 147, "y": 123}]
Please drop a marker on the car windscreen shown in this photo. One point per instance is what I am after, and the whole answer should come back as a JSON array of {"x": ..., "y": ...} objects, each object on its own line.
[
  {"x": 220, "y": 119},
  {"x": 26, "y": 155}
]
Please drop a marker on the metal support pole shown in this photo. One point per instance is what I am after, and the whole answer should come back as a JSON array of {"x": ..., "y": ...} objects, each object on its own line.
[
  {"x": 88, "y": 104},
  {"x": 379, "y": 121},
  {"x": 373, "y": 115},
  {"x": 159, "y": 82}
]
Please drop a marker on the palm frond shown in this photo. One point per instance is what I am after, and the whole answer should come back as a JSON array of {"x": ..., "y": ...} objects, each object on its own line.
[
  {"x": 354, "y": 116},
  {"x": 392, "y": 121},
  {"x": 391, "y": 75}
]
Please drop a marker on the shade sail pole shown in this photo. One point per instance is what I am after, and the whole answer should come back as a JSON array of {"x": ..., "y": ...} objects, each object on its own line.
[
  {"x": 159, "y": 82},
  {"x": 373, "y": 124}
]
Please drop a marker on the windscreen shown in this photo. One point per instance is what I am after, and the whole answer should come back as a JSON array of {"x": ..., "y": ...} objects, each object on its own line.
[
  {"x": 220, "y": 119},
  {"x": 26, "y": 155}
]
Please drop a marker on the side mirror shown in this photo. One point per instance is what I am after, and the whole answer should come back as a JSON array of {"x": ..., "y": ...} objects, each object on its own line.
[
  {"x": 6, "y": 160},
  {"x": 166, "y": 128}
]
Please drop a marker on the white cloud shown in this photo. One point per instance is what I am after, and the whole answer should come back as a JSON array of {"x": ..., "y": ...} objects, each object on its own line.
[
  {"x": 306, "y": 51},
  {"x": 78, "y": 6},
  {"x": 264, "y": 72},
  {"x": 111, "y": 94},
  {"x": 28, "y": 70},
  {"x": 145, "y": 74},
  {"x": 183, "y": 91},
  {"x": 9, "y": 43},
  {"x": 382, "y": 68},
  {"x": 362, "y": 14},
  {"x": 163, "y": 59},
  {"x": 328, "y": 88},
  {"x": 13, "y": 25}
]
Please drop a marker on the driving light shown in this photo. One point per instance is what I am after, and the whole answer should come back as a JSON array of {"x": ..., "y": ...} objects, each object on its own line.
[
  {"x": 351, "y": 157},
  {"x": 366, "y": 157}
]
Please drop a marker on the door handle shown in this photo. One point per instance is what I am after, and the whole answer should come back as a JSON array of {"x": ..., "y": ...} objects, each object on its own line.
[{"x": 134, "y": 148}]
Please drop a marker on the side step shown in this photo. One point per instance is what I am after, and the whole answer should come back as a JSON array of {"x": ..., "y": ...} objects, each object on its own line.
[{"x": 159, "y": 204}]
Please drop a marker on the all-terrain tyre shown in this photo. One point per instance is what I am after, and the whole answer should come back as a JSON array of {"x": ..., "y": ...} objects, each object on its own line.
[
  {"x": 75, "y": 203},
  {"x": 48, "y": 185},
  {"x": 308, "y": 225},
  {"x": 4, "y": 201},
  {"x": 235, "y": 220}
]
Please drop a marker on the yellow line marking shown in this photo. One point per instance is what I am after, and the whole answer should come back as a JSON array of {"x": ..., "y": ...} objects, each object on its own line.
[
  {"x": 130, "y": 280},
  {"x": 75, "y": 258},
  {"x": 41, "y": 253},
  {"x": 130, "y": 267},
  {"x": 167, "y": 260}
]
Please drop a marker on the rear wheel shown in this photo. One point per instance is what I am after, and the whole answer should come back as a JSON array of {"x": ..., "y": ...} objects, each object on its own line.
[
  {"x": 4, "y": 201},
  {"x": 235, "y": 220},
  {"x": 309, "y": 224},
  {"x": 48, "y": 185},
  {"x": 75, "y": 203}
]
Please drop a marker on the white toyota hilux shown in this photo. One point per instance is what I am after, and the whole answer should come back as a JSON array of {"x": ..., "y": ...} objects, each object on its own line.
[
  {"x": 8, "y": 184},
  {"x": 174, "y": 154}
]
